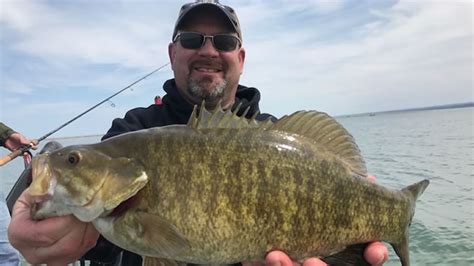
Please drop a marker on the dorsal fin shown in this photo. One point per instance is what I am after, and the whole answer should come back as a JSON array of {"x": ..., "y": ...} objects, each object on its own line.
[
  {"x": 201, "y": 118},
  {"x": 326, "y": 132}
]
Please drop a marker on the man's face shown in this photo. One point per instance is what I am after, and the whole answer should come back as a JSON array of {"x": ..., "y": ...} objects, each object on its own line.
[{"x": 206, "y": 73}]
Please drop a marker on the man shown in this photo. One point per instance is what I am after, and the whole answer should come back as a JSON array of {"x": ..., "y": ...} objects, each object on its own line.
[
  {"x": 207, "y": 59},
  {"x": 11, "y": 140}
]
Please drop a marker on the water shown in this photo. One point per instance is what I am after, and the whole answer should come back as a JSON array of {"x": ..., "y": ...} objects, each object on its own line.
[{"x": 401, "y": 149}]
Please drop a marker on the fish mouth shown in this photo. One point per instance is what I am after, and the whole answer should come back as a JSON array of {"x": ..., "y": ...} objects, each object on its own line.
[
  {"x": 42, "y": 186},
  {"x": 43, "y": 179}
]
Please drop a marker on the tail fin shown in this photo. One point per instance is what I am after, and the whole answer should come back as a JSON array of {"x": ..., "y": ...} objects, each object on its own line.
[{"x": 413, "y": 192}]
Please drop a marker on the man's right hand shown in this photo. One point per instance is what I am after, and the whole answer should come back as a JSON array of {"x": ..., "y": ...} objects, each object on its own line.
[{"x": 55, "y": 241}]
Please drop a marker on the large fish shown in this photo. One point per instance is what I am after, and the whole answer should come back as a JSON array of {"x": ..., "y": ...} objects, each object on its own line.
[{"x": 225, "y": 189}]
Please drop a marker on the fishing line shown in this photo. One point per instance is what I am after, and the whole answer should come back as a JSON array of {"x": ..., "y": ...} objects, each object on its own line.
[
  {"x": 105, "y": 100},
  {"x": 26, "y": 148}
]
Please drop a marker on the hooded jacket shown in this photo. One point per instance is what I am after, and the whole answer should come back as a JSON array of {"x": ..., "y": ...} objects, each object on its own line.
[{"x": 174, "y": 109}]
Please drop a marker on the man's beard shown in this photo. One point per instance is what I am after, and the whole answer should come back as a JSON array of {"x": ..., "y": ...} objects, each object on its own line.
[{"x": 212, "y": 96}]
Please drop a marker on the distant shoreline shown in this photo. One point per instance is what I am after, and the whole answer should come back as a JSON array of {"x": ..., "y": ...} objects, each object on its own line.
[
  {"x": 427, "y": 108},
  {"x": 436, "y": 107},
  {"x": 76, "y": 137}
]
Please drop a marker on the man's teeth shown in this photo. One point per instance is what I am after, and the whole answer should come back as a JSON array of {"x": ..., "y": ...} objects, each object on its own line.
[{"x": 203, "y": 69}]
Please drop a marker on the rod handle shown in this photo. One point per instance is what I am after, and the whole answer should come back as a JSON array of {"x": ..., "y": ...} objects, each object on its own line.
[{"x": 9, "y": 157}]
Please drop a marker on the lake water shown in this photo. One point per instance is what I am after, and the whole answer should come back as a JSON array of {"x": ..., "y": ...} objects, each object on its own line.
[{"x": 401, "y": 149}]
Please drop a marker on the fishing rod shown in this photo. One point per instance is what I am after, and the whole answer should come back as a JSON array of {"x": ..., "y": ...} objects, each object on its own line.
[{"x": 26, "y": 148}]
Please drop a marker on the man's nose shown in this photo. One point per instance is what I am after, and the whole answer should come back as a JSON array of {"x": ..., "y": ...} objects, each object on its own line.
[{"x": 208, "y": 48}]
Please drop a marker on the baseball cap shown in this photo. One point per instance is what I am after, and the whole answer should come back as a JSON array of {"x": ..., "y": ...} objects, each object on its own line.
[{"x": 211, "y": 4}]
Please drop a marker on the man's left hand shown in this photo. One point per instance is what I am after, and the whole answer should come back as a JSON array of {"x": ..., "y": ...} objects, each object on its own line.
[{"x": 375, "y": 254}]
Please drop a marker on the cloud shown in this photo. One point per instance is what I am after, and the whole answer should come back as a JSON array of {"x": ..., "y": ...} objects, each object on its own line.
[
  {"x": 336, "y": 56},
  {"x": 71, "y": 35},
  {"x": 15, "y": 86},
  {"x": 411, "y": 54}
]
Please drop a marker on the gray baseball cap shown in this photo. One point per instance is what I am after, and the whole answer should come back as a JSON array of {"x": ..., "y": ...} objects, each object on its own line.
[{"x": 211, "y": 4}]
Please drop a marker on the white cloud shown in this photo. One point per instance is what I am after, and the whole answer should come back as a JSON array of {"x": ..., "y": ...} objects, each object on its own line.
[
  {"x": 23, "y": 15},
  {"x": 16, "y": 86},
  {"x": 413, "y": 54},
  {"x": 86, "y": 38},
  {"x": 335, "y": 56},
  {"x": 316, "y": 6}
]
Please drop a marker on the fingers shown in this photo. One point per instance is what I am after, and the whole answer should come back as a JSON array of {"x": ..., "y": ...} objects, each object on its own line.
[
  {"x": 314, "y": 262},
  {"x": 68, "y": 248},
  {"x": 56, "y": 240},
  {"x": 376, "y": 253},
  {"x": 15, "y": 140},
  {"x": 34, "y": 144},
  {"x": 279, "y": 258},
  {"x": 371, "y": 178}
]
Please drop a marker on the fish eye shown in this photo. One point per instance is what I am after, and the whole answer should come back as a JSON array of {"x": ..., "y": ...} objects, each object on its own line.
[{"x": 73, "y": 158}]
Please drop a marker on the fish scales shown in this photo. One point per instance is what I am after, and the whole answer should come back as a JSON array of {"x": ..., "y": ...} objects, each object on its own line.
[
  {"x": 224, "y": 198},
  {"x": 204, "y": 207},
  {"x": 224, "y": 195}
]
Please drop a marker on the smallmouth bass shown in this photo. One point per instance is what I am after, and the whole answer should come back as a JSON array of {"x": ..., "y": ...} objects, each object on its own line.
[{"x": 224, "y": 189}]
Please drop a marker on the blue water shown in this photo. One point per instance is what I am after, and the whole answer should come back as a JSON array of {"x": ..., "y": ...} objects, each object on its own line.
[{"x": 401, "y": 149}]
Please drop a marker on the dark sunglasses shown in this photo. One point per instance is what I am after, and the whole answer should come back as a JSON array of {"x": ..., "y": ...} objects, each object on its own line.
[{"x": 195, "y": 40}]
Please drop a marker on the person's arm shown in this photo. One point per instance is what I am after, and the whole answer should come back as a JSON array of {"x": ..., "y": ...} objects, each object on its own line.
[
  {"x": 5, "y": 132},
  {"x": 54, "y": 241},
  {"x": 13, "y": 140}
]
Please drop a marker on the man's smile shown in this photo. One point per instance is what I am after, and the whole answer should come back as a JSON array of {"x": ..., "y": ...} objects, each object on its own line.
[{"x": 205, "y": 69}]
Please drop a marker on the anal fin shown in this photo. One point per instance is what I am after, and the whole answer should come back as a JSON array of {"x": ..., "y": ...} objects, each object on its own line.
[
  {"x": 149, "y": 261},
  {"x": 402, "y": 251},
  {"x": 351, "y": 256}
]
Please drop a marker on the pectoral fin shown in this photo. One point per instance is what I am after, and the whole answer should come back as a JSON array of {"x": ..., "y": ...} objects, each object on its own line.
[{"x": 160, "y": 235}]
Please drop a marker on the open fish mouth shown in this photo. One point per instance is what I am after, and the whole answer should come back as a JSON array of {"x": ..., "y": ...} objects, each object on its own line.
[
  {"x": 42, "y": 190},
  {"x": 44, "y": 180}
]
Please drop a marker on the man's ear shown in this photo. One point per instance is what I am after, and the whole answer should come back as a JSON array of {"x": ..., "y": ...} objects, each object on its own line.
[
  {"x": 241, "y": 59},
  {"x": 171, "y": 52}
]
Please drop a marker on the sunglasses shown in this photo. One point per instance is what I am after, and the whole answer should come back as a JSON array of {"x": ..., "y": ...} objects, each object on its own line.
[{"x": 196, "y": 40}]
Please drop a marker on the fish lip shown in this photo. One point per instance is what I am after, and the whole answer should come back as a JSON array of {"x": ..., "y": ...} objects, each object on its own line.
[{"x": 41, "y": 170}]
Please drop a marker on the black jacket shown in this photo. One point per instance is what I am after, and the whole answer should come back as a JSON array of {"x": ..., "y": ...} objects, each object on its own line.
[{"x": 173, "y": 110}]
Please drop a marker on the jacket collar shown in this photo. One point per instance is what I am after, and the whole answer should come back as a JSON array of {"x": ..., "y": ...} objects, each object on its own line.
[{"x": 248, "y": 97}]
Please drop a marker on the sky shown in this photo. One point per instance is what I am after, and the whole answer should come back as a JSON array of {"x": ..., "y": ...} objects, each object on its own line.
[{"x": 58, "y": 58}]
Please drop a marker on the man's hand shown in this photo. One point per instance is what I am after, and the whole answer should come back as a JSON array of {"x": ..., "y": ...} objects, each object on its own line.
[
  {"x": 55, "y": 241},
  {"x": 375, "y": 254},
  {"x": 15, "y": 140},
  {"x": 279, "y": 258}
]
